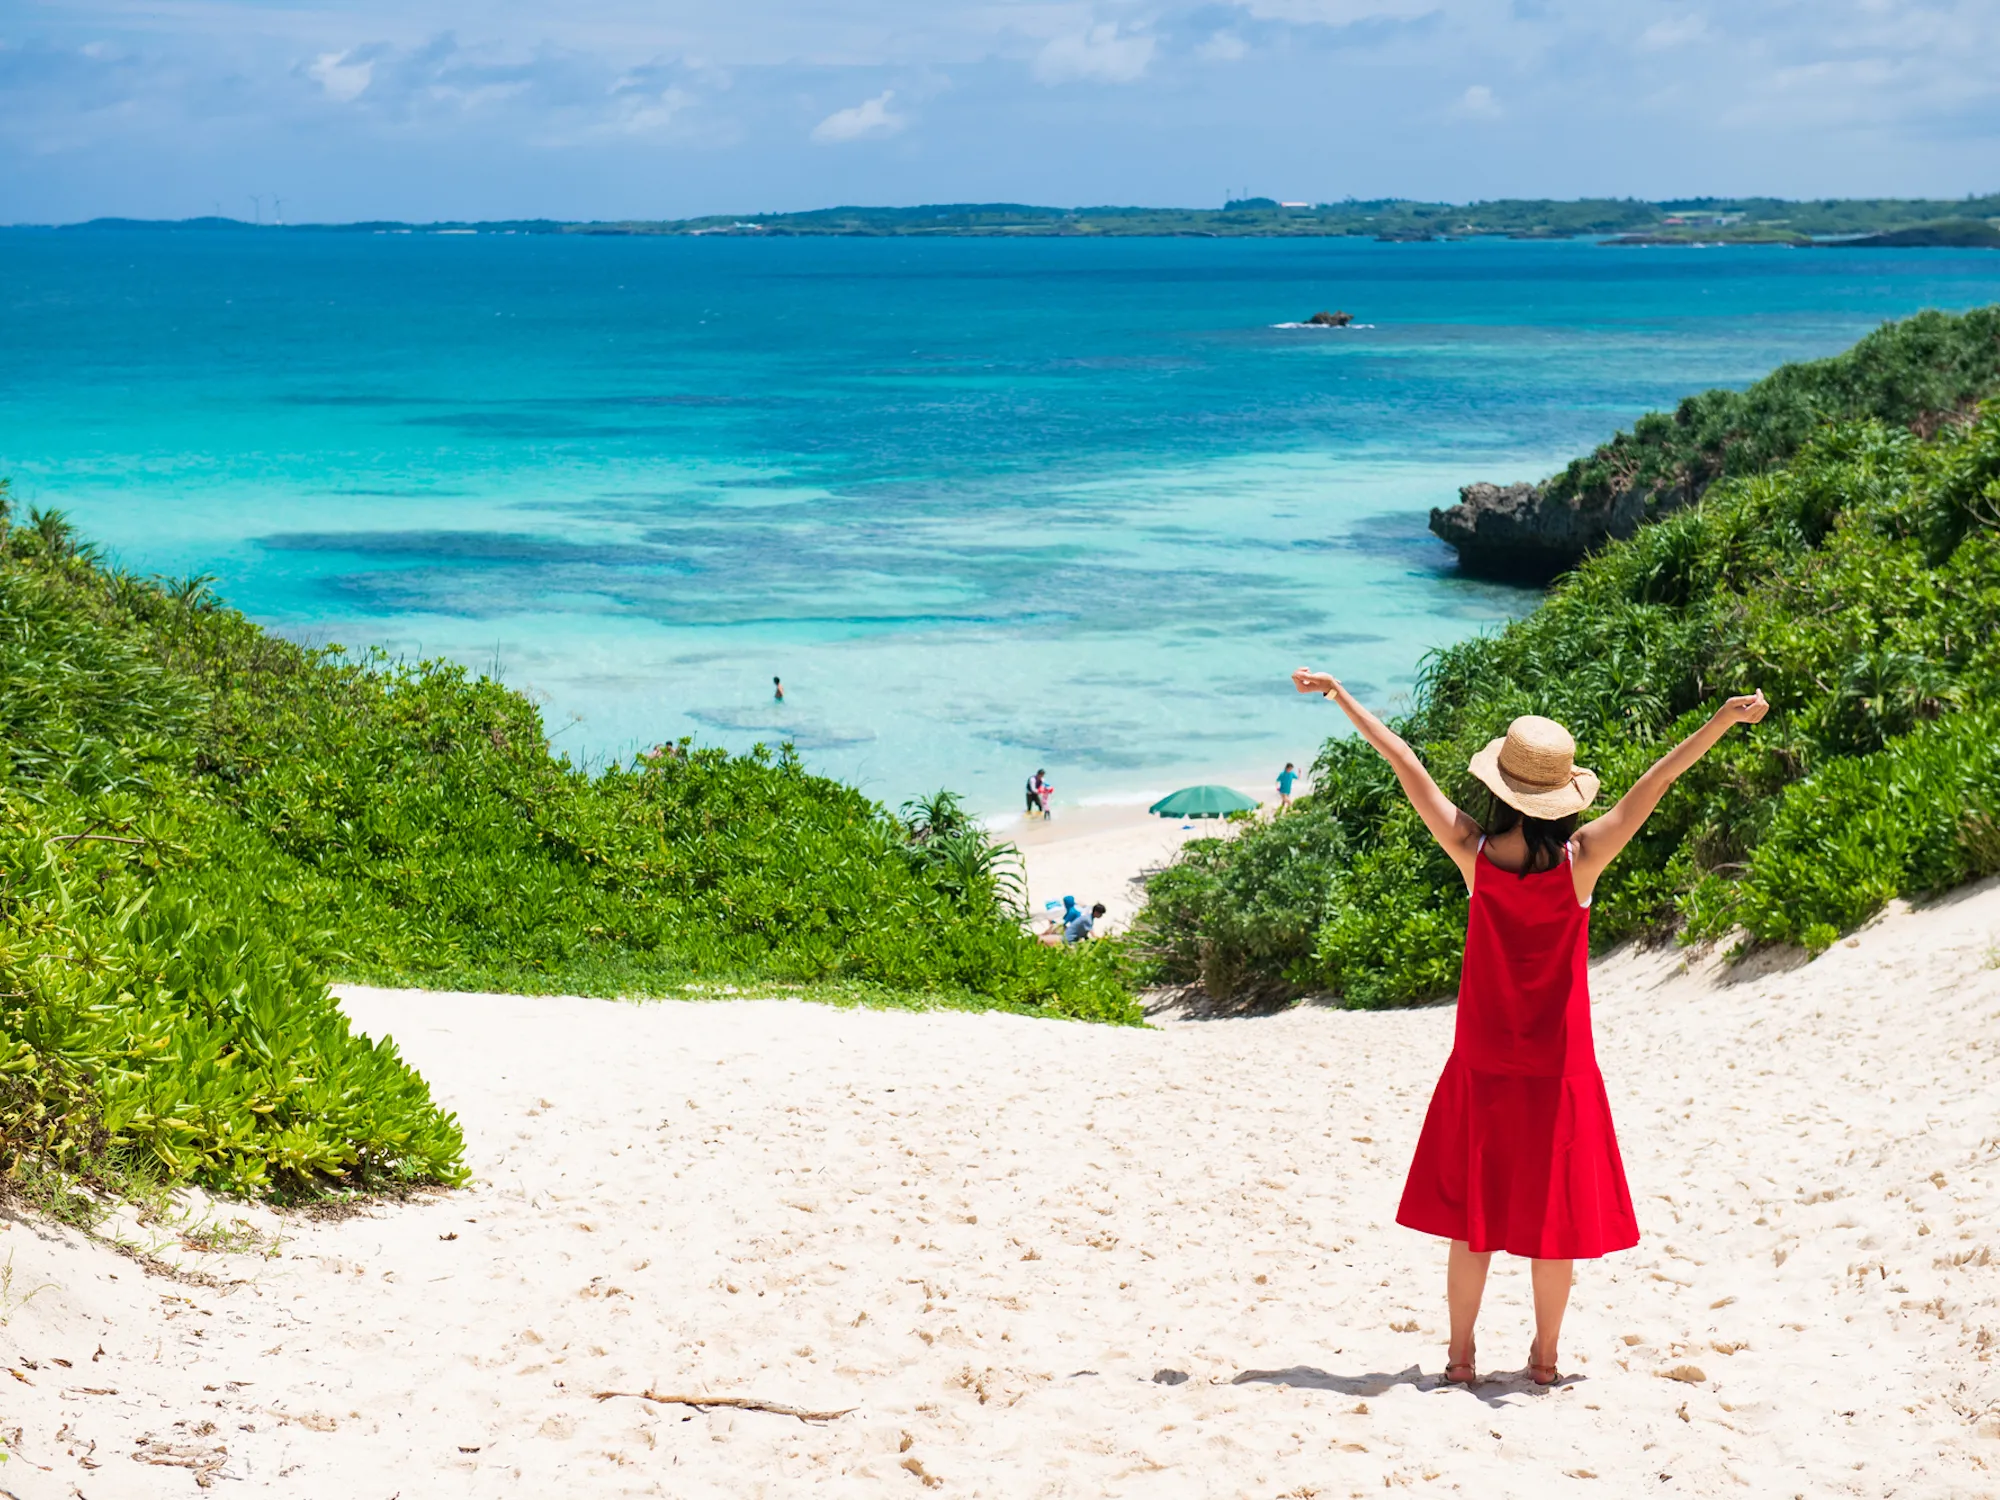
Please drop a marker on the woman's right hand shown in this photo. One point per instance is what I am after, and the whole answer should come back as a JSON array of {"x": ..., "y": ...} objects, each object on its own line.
[
  {"x": 1749, "y": 708},
  {"x": 1308, "y": 681}
]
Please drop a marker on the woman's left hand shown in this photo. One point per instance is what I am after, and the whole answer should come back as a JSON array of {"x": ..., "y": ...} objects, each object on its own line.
[
  {"x": 1308, "y": 681},
  {"x": 1749, "y": 708}
]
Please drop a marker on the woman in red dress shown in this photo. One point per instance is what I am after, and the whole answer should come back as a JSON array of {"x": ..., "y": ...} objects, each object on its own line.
[{"x": 1517, "y": 1151}]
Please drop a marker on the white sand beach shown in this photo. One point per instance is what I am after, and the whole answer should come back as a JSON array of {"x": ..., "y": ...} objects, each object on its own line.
[
  {"x": 1029, "y": 1258},
  {"x": 1100, "y": 854}
]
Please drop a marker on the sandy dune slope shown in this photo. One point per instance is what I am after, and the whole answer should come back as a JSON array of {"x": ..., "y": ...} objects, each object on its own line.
[{"x": 1041, "y": 1259}]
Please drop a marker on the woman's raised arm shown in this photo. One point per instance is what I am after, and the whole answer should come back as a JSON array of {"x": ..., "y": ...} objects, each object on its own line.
[
  {"x": 1457, "y": 834},
  {"x": 1598, "y": 843}
]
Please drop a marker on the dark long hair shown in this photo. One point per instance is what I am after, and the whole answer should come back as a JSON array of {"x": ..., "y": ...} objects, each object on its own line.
[{"x": 1547, "y": 837}]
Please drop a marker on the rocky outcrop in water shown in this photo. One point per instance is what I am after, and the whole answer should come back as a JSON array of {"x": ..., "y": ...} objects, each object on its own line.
[{"x": 1519, "y": 533}]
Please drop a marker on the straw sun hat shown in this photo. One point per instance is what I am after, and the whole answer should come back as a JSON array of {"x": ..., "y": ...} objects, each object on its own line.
[{"x": 1533, "y": 769}]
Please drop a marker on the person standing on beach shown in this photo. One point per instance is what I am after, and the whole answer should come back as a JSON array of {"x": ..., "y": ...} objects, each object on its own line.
[
  {"x": 1517, "y": 1152},
  {"x": 1287, "y": 779},
  {"x": 1041, "y": 791}
]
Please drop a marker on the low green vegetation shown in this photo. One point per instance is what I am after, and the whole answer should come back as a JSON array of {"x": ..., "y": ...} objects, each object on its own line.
[
  {"x": 1858, "y": 585},
  {"x": 202, "y": 824}
]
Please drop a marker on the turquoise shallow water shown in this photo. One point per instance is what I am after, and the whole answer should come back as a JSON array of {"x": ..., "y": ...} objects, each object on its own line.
[{"x": 985, "y": 505}]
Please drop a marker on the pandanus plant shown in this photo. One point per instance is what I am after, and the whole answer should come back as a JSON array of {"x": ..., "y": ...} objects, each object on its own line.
[{"x": 954, "y": 854}]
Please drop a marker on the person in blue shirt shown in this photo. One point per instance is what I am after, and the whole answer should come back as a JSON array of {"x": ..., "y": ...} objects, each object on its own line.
[
  {"x": 1082, "y": 923},
  {"x": 1287, "y": 779}
]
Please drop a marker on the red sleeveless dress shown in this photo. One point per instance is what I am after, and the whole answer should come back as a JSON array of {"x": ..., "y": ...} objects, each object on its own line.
[{"x": 1517, "y": 1152}]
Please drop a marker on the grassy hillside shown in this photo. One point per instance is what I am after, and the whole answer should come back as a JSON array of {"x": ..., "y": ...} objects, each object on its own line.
[
  {"x": 1858, "y": 585},
  {"x": 201, "y": 824}
]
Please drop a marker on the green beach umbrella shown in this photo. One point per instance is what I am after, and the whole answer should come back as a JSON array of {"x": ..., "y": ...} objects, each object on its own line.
[{"x": 1202, "y": 802}]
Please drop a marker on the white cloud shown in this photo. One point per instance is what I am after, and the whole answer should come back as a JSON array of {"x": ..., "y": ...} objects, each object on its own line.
[
  {"x": 1103, "y": 52},
  {"x": 643, "y": 113},
  {"x": 871, "y": 119},
  {"x": 1675, "y": 33},
  {"x": 1224, "y": 46},
  {"x": 343, "y": 80},
  {"x": 1477, "y": 103}
]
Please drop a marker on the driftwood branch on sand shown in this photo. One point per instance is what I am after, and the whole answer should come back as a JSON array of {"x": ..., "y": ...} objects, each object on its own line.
[{"x": 741, "y": 1403}]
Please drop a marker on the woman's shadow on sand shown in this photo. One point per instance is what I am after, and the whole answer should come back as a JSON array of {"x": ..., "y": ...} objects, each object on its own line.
[{"x": 1492, "y": 1389}]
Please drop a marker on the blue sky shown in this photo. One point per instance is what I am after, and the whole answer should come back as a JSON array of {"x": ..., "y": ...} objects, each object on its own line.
[{"x": 661, "y": 108}]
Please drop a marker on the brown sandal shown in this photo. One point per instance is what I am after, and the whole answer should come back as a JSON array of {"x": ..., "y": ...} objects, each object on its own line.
[
  {"x": 1539, "y": 1373},
  {"x": 1462, "y": 1374}
]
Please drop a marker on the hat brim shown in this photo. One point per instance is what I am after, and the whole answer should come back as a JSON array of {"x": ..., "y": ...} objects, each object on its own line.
[{"x": 1535, "y": 801}]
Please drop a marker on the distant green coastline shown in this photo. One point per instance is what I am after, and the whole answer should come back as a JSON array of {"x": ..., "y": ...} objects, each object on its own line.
[{"x": 1887, "y": 222}]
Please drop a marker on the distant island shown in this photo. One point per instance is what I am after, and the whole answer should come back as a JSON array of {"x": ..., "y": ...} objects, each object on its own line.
[{"x": 1828, "y": 222}]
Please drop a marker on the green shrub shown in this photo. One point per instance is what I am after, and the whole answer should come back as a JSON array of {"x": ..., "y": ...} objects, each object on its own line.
[
  {"x": 1917, "y": 817},
  {"x": 1392, "y": 933},
  {"x": 1224, "y": 915}
]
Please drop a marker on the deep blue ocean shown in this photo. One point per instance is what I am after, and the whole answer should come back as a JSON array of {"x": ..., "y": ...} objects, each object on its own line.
[{"x": 985, "y": 505}]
